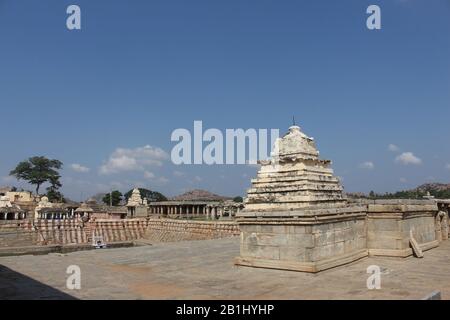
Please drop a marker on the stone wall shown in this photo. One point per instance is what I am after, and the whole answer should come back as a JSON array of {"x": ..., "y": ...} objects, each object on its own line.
[
  {"x": 391, "y": 222},
  {"x": 114, "y": 230},
  {"x": 22, "y": 233},
  {"x": 167, "y": 230},
  {"x": 316, "y": 240},
  {"x": 16, "y": 233}
]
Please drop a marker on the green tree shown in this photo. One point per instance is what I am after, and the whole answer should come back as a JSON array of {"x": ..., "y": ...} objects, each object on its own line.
[
  {"x": 38, "y": 170},
  {"x": 53, "y": 194},
  {"x": 152, "y": 196},
  {"x": 113, "y": 198},
  {"x": 238, "y": 199}
]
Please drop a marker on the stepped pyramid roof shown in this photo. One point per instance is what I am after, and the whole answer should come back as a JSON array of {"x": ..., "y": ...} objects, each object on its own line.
[{"x": 294, "y": 178}]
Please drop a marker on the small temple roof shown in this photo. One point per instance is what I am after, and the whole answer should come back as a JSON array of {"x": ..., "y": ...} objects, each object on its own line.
[
  {"x": 84, "y": 208},
  {"x": 295, "y": 144}
]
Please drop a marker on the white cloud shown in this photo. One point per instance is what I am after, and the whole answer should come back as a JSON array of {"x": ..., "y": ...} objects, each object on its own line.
[
  {"x": 407, "y": 158},
  {"x": 163, "y": 180},
  {"x": 197, "y": 178},
  {"x": 367, "y": 165},
  {"x": 79, "y": 168},
  {"x": 107, "y": 187},
  {"x": 136, "y": 159},
  {"x": 149, "y": 175},
  {"x": 403, "y": 180},
  {"x": 178, "y": 173},
  {"x": 8, "y": 179},
  {"x": 447, "y": 166},
  {"x": 393, "y": 148}
]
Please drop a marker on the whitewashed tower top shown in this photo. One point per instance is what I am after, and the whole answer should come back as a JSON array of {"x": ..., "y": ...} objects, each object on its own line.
[
  {"x": 135, "y": 198},
  {"x": 294, "y": 178}
]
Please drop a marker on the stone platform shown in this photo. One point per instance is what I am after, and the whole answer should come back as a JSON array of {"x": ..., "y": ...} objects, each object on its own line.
[{"x": 204, "y": 270}]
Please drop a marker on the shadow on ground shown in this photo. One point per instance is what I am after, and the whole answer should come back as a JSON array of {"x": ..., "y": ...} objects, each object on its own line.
[{"x": 16, "y": 286}]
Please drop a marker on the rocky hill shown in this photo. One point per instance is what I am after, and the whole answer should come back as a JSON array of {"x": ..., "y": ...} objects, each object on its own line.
[
  {"x": 434, "y": 187},
  {"x": 437, "y": 190},
  {"x": 200, "y": 195}
]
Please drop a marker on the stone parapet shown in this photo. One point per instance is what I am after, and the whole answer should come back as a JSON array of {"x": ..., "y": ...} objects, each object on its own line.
[
  {"x": 70, "y": 231},
  {"x": 310, "y": 241},
  {"x": 314, "y": 239},
  {"x": 167, "y": 230},
  {"x": 390, "y": 224}
]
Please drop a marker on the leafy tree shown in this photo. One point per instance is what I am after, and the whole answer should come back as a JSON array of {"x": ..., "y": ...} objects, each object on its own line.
[
  {"x": 116, "y": 197},
  {"x": 52, "y": 191},
  {"x": 238, "y": 199},
  {"x": 38, "y": 170},
  {"x": 152, "y": 196}
]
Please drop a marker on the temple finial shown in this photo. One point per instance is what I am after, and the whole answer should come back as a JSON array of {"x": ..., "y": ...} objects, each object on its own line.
[{"x": 293, "y": 120}]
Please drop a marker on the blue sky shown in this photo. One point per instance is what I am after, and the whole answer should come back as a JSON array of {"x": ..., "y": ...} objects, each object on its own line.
[{"x": 140, "y": 69}]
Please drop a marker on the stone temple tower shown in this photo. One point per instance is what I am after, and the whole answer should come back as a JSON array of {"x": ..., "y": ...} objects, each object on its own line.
[
  {"x": 294, "y": 178},
  {"x": 136, "y": 206},
  {"x": 295, "y": 215}
]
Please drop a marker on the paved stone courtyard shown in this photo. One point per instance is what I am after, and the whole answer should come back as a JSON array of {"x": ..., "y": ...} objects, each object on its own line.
[{"x": 204, "y": 270}]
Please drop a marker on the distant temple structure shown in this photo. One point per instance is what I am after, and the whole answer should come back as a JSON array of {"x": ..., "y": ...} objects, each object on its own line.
[
  {"x": 196, "y": 204},
  {"x": 9, "y": 211},
  {"x": 137, "y": 207}
]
